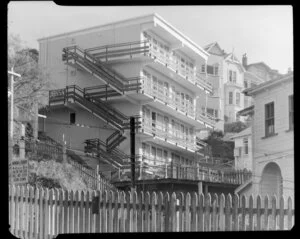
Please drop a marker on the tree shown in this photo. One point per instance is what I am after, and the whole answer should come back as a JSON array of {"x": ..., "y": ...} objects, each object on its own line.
[
  {"x": 33, "y": 84},
  {"x": 220, "y": 148},
  {"x": 235, "y": 127}
]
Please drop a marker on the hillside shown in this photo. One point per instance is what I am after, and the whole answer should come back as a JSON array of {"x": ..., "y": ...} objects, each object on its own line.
[{"x": 52, "y": 174}]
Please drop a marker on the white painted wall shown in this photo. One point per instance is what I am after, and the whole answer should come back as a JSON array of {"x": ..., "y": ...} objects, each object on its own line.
[{"x": 279, "y": 148}]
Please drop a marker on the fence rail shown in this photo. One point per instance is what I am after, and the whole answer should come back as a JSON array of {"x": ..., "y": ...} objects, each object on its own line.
[
  {"x": 45, "y": 149},
  {"x": 94, "y": 179},
  {"x": 44, "y": 213}
]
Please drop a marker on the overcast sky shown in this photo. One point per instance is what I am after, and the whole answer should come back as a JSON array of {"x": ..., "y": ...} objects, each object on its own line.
[{"x": 265, "y": 33}]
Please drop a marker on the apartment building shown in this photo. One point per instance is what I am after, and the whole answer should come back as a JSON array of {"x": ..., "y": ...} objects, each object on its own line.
[
  {"x": 273, "y": 138},
  {"x": 141, "y": 67}
]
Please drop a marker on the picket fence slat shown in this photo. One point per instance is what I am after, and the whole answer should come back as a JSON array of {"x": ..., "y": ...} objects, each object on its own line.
[
  {"x": 258, "y": 215},
  {"x": 44, "y": 213},
  {"x": 289, "y": 213},
  {"x": 214, "y": 212},
  {"x": 222, "y": 213},
  {"x": 200, "y": 213}
]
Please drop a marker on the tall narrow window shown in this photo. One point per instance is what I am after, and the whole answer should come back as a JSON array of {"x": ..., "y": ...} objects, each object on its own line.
[
  {"x": 234, "y": 76},
  {"x": 203, "y": 68},
  {"x": 153, "y": 155},
  {"x": 72, "y": 118},
  {"x": 291, "y": 112},
  {"x": 230, "y": 98},
  {"x": 245, "y": 84},
  {"x": 153, "y": 120},
  {"x": 245, "y": 141},
  {"x": 269, "y": 119},
  {"x": 230, "y": 75},
  {"x": 216, "y": 70},
  {"x": 165, "y": 156},
  {"x": 238, "y": 95}
]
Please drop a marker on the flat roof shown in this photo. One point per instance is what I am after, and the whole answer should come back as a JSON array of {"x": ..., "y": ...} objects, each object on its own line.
[{"x": 136, "y": 20}]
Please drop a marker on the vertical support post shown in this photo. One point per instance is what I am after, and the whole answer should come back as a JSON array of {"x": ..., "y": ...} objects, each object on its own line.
[
  {"x": 200, "y": 187},
  {"x": 22, "y": 142},
  {"x": 132, "y": 150},
  {"x": 166, "y": 171},
  {"x": 64, "y": 149}
]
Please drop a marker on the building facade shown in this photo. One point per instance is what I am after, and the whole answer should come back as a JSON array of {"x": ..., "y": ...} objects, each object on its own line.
[
  {"x": 243, "y": 149},
  {"x": 142, "y": 68},
  {"x": 273, "y": 137},
  {"x": 229, "y": 79}
]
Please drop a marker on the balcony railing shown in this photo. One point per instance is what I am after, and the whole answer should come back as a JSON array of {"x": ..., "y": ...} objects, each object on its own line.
[
  {"x": 175, "y": 64},
  {"x": 171, "y": 135},
  {"x": 206, "y": 117},
  {"x": 138, "y": 48},
  {"x": 166, "y": 97},
  {"x": 159, "y": 169}
]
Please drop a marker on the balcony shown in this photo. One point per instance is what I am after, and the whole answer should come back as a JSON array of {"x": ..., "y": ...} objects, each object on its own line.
[
  {"x": 170, "y": 136},
  {"x": 142, "y": 49},
  {"x": 186, "y": 107},
  {"x": 205, "y": 117}
]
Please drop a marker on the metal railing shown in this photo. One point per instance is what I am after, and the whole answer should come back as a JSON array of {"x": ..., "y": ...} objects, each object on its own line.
[
  {"x": 137, "y": 48},
  {"x": 94, "y": 66},
  {"x": 170, "y": 135},
  {"x": 185, "y": 107},
  {"x": 177, "y": 171}
]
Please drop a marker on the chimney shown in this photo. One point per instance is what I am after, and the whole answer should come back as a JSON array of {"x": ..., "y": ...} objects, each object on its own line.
[{"x": 244, "y": 60}]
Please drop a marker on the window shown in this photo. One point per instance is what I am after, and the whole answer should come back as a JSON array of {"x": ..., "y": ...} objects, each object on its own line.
[
  {"x": 153, "y": 155},
  {"x": 153, "y": 119},
  {"x": 216, "y": 70},
  {"x": 245, "y": 84},
  {"x": 72, "y": 118},
  {"x": 234, "y": 77},
  {"x": 230, "y": 75},
  {"x": 203, "y": 68},
  {"x": 245, "y": 141},
  {"x": 210, "y": 70},
  {"x": 238, "y": 95},
  {"x": 269, "y": 119},
  {"x": 230, "y": 98},
  {"x": 291, "y": 112}
]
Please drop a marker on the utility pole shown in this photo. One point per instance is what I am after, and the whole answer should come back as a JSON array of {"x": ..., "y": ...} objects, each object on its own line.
[
  {"x": 132, "y": 151},
  {"x": 11, "y": 123}
]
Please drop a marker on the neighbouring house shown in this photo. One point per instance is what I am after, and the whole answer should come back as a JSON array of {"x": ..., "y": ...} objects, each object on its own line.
[
  {"x": 229, "y": 78},
  {"x": 243, "y": 149},
  {"x": 273, "y": 139},
  {"x": 141, "y": 67},
  {"x": 260, "y": 70}
]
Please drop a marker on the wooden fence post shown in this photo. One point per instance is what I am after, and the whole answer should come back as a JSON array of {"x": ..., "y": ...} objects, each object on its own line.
[
  {"x": 194, "y": 212},
  {"x": 266, "y": 213},
  {"x": 235, "y": 215},
  {"x": 290, "y": 206},
  {"x": 258, "y": 214},
  {"x": 281, "y": 213},
  {"x": 214, "y": 213},
  {"x": 251, "y": 213},
  {"x": 273, "y": 215},
  {"x": 153, "y": 212},
  {"x": 222, "y": 213},
  {"x": 243, "y": 216}
]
